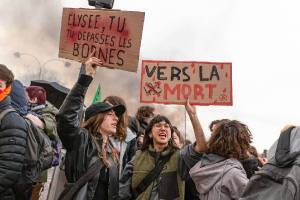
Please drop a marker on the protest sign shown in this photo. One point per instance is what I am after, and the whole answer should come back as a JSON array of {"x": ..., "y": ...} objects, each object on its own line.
[
  {"x": 115, "y": 36},
  {"x": 172, "y": 82}
]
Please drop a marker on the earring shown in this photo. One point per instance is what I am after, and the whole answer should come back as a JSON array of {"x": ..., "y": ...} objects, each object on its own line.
[{"x": 150, "y": 135}]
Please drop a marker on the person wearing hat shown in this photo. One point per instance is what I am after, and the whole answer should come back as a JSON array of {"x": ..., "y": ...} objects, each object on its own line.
[
  {"x": 124, "y": 140},
  {"x": 13, "y": 134},
  {"x": 88, "y": 144}
]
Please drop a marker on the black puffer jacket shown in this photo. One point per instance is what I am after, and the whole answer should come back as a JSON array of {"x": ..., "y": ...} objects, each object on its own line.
[
  {"x": 81, "y": 152},
  {"x": 13, "y": 133}
]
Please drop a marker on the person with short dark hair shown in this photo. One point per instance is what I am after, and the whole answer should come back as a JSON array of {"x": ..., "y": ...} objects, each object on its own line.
[
  {"x": 6, "y": 77},
  {"x": 139, "y": 123},
  {"x": 37, "y": 95},
  {"x": 13, "y": 133},
  {"x": 159, "y": 156},
  {"x": 43, "y": 109},
  {"x": 145, "y": 114}
]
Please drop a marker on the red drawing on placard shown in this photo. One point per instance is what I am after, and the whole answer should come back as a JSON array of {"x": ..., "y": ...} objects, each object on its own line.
[
  {"x": 223, "y": 96},
  {"x": 153, "y": 88},
  {"x": 193, "y": 68}
]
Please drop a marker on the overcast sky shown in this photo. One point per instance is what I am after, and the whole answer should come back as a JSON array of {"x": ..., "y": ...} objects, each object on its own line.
[{"x": 260, "y": 38}]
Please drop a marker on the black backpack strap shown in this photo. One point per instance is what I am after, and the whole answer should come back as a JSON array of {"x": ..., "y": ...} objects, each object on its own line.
[
  {"x": 151, "y": 176},
  {"x": 71, "y": 189},
  {"x": 283, "y": 157},
  {"x": 32, "y": 127},
  {"x": 4, "y": 112}
]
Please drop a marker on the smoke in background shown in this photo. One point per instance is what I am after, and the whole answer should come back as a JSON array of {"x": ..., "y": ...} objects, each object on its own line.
[{"x": 33, "y": 27}]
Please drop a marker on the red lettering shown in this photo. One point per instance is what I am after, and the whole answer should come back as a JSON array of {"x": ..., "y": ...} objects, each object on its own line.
[
  {"x": 172, "y": 91},
  {"x": 198, "y": 91},
  {"x": 186, "y": 90},
  {"x": 210, "y": 89}
]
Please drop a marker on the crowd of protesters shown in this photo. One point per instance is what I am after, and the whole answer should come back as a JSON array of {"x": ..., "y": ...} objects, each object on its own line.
[{"x": 111, "y": 155}]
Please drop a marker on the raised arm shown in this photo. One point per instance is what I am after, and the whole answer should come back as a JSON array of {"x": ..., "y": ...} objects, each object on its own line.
[
  {"x": 201, "y": 145},
  {"x": 68, "y": 117}
]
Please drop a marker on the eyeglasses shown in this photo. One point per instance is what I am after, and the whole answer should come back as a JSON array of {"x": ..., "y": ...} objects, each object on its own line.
[{"x": 162, "y": 125}]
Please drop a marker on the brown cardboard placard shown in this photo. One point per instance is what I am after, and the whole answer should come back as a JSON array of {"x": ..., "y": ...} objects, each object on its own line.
[
  {"x": 172, "y": 82},
  {"x": 115, "y": 35}
]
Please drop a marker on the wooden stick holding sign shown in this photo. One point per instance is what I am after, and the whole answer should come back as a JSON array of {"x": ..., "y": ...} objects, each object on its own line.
[
  {"x": 172, "y": 82},
  {"x": 114, "y": 35}
]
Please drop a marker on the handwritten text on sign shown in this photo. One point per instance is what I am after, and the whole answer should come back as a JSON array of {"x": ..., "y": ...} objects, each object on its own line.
[
  {"x": 172, "y": 82},
  {"x": 114, "y": 35}
]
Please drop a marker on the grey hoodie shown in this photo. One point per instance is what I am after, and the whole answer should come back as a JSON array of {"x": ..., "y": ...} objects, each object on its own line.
[{"x": 213, "y": 173}]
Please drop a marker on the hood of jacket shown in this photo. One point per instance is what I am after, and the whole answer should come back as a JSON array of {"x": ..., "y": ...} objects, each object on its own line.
[
  {"x": 50, "y": 108},
  {"x": 250, "y": 165},
  {"x": 294, "y": 145},
  {"x": 5, "y": 103},
  {"x": 132, "y": 124},
  {"x": 137, "y": 126},
  {"x": 211, "y": 170},
  {"x": 19, "y": 99}
]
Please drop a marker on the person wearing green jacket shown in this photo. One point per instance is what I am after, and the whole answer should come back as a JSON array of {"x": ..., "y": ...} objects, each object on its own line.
[{"x": 159, "y": 150}]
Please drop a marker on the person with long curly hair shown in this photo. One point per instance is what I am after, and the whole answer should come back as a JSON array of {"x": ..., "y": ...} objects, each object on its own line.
[
  {"x": 250, "y": 164},
  {"x": 219, "y": 174},
  {"x": 88, "y": 145},
  {"x": 214, "y": 124}
]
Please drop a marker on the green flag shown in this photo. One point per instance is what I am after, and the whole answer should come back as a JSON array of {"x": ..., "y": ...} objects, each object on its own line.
[{"x": 97, "y": 96}]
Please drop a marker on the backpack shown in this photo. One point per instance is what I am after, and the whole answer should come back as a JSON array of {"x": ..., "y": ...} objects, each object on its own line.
[
  {"x": 57, "y": 146},
  {"x": 280, "y": 179},
  {"x": 55, "y": 141},
  {"x": 38, "y": 154}
]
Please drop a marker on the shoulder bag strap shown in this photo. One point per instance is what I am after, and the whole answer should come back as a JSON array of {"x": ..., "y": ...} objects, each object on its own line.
[
  {"x": 4, "y": 112},
  {"x": 283, "y": 156},
  {"x": 149, "y": 178},
  {"x": 69, "y": 192}
]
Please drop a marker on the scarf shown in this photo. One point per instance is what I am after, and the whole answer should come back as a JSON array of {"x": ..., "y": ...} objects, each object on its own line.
[{"x": 5, "y": 93}]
